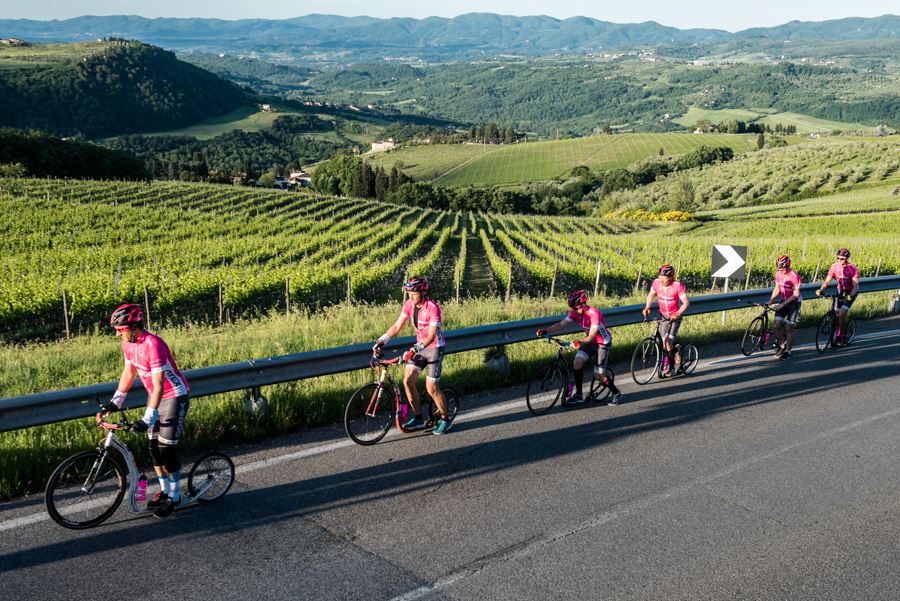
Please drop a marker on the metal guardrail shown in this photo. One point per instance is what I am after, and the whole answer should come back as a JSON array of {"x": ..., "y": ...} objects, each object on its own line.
[{"x": 60, "y": 405}]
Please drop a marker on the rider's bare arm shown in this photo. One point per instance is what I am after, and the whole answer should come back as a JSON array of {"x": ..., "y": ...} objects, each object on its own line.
[
  {"x": 127, "y": 378},
  {"x": 396, "y": 328},
  {"x": 685, "y": 303},
  {"x": 650, "y": 296}
]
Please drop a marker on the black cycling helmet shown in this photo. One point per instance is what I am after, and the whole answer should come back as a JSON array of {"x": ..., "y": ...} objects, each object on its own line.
[
  {"x": 578, "y": 298},
  {"x": 667, "y": 270},
  {"x": 128, "y": 314},
  {"x": 417, "y": 284},
  {"x": 783, "y": 262}
]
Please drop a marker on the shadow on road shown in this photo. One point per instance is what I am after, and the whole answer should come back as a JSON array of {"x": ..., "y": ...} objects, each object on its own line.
[{"x": 239, "y": 511}]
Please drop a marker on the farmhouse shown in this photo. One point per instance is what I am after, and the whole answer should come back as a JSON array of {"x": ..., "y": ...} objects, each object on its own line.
[
  {"x": 382, "y": 145},
  {"x": 301, "y": 179}
]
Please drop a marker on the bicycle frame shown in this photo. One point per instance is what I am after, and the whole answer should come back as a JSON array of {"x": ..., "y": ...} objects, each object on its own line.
[
  {"x": 750, "y": 333},
  {"x": 561, "y": 346},
  {"x": 402, "y": 406},
  {"x": 111, "y": 441}
]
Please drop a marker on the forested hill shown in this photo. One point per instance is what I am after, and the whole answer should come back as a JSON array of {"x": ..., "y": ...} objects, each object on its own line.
[
  {"x": 99, "y": 89},
  {"x": 351, "y": 39}
]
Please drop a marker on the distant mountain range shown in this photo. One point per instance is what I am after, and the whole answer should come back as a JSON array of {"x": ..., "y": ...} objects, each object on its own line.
[{"x": 325, "y": 38}]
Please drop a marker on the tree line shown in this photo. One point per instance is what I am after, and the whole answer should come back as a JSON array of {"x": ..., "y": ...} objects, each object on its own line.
[
  {"x": 580, "y": 193},
  {"x": 40, "y": 154}
]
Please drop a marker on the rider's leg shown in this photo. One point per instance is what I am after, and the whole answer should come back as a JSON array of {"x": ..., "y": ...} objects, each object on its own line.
[
  {"x": 842, "y": 319},
  {"x": 434, "y": 389},
  {"x": 789, "y": 337},
  {"x": 669, "y": 346},
  {"x": 578, "y": 370},
  {"x": 410, "y": 377},
  {"x": 601, "y": 372},
  {"x": 159, "y": 465},
  {"x": 779, "y": 331},
  {"x": 171, "y": 421}
]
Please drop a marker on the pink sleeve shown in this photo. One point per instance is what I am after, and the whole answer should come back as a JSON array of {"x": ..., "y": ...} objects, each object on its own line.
[
  {"x": 572, "y": 316},
  {"x": 655, "y": 286},
  {"x": 854, "y": 273},
  {"x": 832, "y": 272},
  {"x": 596, "y": 319},
  {"x": 795, "y": 277},
  {"x": 681, "y": 289}
]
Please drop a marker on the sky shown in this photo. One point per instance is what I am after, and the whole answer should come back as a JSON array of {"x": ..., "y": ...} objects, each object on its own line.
[{"x": 712, "y": 14}]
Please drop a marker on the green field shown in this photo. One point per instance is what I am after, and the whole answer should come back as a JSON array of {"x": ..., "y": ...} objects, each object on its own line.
[
  {"x": 472, "y": 164},
  {"x": 42, "y": 55},
  {"x": 805, "y": 123},
  {"x": 71, "y": 235},
  {"x": 247, "y": 119}
]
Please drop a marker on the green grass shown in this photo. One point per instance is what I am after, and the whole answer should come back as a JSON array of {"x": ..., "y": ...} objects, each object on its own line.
[
  {"x": 427, "y": 163},
  {"x": 42, "y": 55},
  {"x": 28, "y": 456},
  {"x": 472, "y": 164},
  {"x": 248, "y": 119},
  {"x": 696, "y": 114},
  {"x": 806, "y": 124}
]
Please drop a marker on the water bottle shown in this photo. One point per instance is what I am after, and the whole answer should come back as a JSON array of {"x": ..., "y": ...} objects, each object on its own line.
[
  {"x": 142, "y": 488},
  {"x": 569, "y": 388}
]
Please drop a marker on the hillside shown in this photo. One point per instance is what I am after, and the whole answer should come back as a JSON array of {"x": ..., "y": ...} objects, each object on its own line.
[
  {"x": 341, "y": 40},
  {"x": 99, "y": 89},
  {"x": 251, "y": 250},
  {"x": 485, "y": 165},
  {"x": 562, "y": 96}
]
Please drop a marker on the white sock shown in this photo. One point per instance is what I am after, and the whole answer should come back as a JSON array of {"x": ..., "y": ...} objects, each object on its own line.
[
  {"x": 164, "y": 485},
  {"x": 175, "y": 486}
]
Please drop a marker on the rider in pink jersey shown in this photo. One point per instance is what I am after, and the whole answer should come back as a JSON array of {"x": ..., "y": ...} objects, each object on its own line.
[
  {"x": 427, "y": 354},
  {"x": 847, "y": 276},
  {"x": 673, "y": 302},
  {"x": 787, "y": 312},
  {"x": 597, "y": 340},
  {"x": 148, "y": 357}
]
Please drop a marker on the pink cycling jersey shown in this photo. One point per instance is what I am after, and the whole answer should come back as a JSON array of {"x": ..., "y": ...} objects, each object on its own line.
[
  {"x": 787, "y": 283},
  {"x": 844, "y": 274},
  {"x": 429, "y": 314},
  {"x": 591, "y": 317},
  {"x": 150, "y": 355},
  {"x": 669, "y": 296}
]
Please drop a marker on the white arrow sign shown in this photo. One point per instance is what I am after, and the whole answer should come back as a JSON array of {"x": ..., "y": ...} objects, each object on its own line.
[{"x": 733, "y": 261}]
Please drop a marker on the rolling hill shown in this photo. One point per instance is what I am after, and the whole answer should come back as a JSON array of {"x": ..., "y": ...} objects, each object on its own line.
[
  {"x": 484, "y": 165},
  {"x": 107, "y": 88}
]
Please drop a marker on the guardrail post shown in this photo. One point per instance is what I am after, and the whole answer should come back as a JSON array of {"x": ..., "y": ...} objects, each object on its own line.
[
  {"x": 256, "y": 404},
  {"x": 597, "y": 279}
]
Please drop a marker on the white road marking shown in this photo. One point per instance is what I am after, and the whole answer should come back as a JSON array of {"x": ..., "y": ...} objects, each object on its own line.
[
  {"x": 809, "y": 345},
  {"x": 464, "y": 416}
]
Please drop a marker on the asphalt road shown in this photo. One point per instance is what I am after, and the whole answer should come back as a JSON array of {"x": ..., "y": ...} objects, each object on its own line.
[{"x": 751, "y": 479}]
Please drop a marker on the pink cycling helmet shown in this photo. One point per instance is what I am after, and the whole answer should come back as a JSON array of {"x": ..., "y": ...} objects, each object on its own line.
[
  {"x": 417, "y": 284},
  {"x": 126, "y": 315},
  {"x": 667, "y": 270},
  {"x": 578, "y": 298},
  {"x": 844, "y": 253},
  {"x": 783, "y": 262}
]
